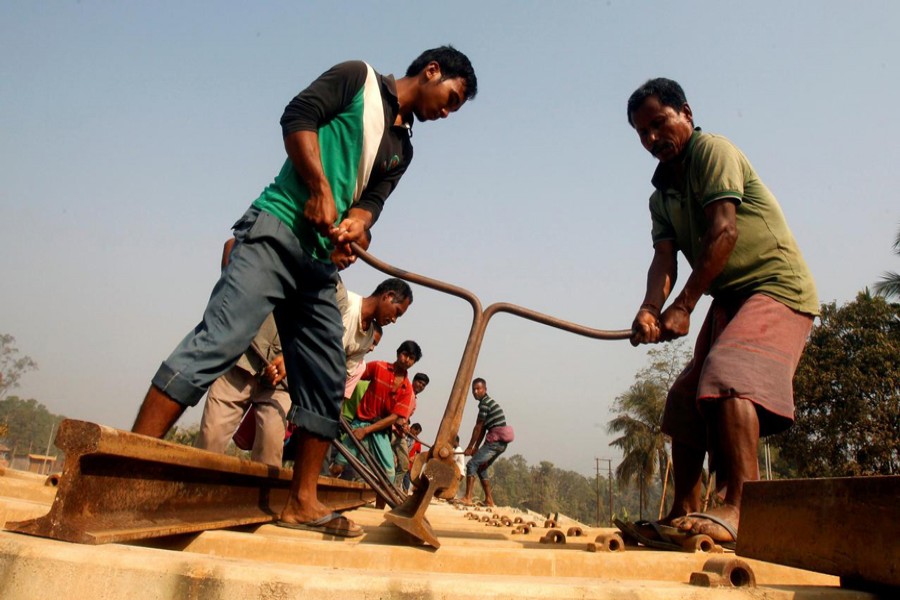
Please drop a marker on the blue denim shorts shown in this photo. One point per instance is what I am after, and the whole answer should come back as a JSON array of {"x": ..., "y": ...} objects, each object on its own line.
[
  {"x": 483, "y": 459},
  {"x": 268, "y": 271}
]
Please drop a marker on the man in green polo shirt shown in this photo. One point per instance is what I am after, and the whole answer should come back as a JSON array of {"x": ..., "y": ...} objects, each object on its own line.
[{"x": 709, "y": 204}]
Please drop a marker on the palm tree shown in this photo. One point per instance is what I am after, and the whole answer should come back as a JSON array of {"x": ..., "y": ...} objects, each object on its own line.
[
  {"x": 644, "y": 446},
  {"x": 890, "y": 281},
  {"x": 642, "y": 442}
]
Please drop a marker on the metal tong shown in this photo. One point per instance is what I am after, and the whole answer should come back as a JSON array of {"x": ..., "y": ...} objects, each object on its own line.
[{"x": 439, "y": 475}]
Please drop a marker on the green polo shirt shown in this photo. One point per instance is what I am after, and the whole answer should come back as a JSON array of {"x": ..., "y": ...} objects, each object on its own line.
[{"x": 766, "y": 258}]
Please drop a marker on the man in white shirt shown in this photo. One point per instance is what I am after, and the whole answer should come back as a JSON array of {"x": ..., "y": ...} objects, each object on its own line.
[{"x": 260, "y": 391}]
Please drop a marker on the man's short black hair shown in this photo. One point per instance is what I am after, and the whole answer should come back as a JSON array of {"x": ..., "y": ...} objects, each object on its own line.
[
  {"x": 416, "y": 426},
  {"x": 453, "y": 64},
  {"x": 411, "y": 348},
  {"x": 422, "y": 377},
  {"x": 667, "y": 91},
  {"x": 479, "y": 380},
  {"x": 401, "y": 289}
]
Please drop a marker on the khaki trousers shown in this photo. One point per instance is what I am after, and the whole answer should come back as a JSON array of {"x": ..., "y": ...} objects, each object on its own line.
[{"x": 228, "y": 399}]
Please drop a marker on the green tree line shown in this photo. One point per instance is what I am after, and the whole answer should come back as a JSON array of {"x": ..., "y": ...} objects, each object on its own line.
[
  {"x": 26, "y": 426},
  {"x": 547, "y": 489}
]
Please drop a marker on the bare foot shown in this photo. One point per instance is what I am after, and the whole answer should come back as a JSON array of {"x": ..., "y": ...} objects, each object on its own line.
[{"x": 697, "y": 523}]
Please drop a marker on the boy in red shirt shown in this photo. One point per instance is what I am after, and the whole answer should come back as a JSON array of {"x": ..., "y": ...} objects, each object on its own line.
[{"x": 389, "y": 399}]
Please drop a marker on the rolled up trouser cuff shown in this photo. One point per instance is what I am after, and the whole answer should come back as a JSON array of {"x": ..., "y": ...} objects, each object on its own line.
[
  {"x": 312, "y": 422},
  {"x": 175, "y": 386}
]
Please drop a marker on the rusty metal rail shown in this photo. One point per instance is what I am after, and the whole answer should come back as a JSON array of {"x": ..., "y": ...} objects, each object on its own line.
[
  {"x": 438, "y": 476},
  {"x": 119, "y": 486},
  {"x": 366, "y": 474},
  {"x": 844, "y": 526}
]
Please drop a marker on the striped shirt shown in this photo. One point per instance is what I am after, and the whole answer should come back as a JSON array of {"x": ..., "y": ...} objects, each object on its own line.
[{"x": 490, "y": 413}]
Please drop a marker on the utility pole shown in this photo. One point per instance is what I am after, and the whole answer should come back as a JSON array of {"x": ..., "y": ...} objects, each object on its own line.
[
  {"x": 49, "y": 442},
  {"x": 609, "y": 485}
]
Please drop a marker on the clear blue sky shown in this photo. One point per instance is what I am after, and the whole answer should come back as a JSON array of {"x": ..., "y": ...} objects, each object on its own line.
[{"x": 132, "y": 135}]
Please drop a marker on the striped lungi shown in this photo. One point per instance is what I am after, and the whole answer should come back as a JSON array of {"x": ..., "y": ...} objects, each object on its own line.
[{"x": 746, "y": 349}]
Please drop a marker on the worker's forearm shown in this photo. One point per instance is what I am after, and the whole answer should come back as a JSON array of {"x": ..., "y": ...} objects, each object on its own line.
[
  {"x": 718, "y": 244},
  {"x": 303, "y": 149},
  {"x": 661, "y": 277},
  {"x": 476, "y": 436},
  {"x": 381, "y": 424}
]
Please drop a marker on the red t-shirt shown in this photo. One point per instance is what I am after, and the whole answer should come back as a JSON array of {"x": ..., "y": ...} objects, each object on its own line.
[
  {"x": 380, "y": 400},
  {"x": 416, "y": 448}
]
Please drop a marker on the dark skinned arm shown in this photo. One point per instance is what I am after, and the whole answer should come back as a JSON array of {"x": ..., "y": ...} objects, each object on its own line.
[
  {"x": 384, "y": 423},
  {"x": 718, "y": 244},
  {"x": 477, "y": 434},
  {"x": 226, "y": 252},
  {"x": 343, "y": 255},
  {"x": 303, "y": 149},
  {"x": 354, "y": 228},
  {"x": 661, "y": 276}
]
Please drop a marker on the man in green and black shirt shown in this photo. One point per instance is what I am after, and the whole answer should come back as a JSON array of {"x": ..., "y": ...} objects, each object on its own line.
[{"x": 347, "y": 139}]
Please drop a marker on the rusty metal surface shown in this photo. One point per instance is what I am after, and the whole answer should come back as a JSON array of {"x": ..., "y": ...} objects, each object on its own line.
[
  {"x": 848, "y": 527},
  {"x": 554, "y": 536},
  {"x": 364, "y": 472},
  {"x": 442, "y": 482},
  {"x": 384, "y": 494},
  {"x": 724, "y": 571},
  {"x": 119, "y": 486},
  {"x": 607, "y": 542},
  {"x": 410, "y": 516}
]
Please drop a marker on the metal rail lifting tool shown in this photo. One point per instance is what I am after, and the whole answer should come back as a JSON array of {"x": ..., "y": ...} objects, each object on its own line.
[{"x": 439, "y": 476}]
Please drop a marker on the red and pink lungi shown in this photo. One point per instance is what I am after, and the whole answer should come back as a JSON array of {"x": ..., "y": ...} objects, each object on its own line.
[{"x": 747, "y": 349}]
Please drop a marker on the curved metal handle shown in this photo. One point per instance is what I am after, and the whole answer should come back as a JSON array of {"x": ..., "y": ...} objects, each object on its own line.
[
  {"x": 439, "y": 475},
  {"x": 453, "y": 413},
  {"x": 532, "y": 315}
]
